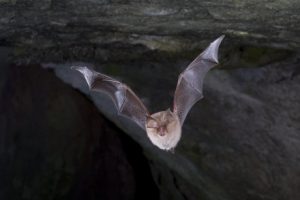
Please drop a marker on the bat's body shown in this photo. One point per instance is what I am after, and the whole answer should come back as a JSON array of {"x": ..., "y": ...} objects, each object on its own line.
[{"x": 163, "y": 128}]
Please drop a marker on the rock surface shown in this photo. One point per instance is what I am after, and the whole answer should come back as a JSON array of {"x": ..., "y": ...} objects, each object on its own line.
[
  {"x": 79, "y": 29},
  {"x": 242, "y": 141}
]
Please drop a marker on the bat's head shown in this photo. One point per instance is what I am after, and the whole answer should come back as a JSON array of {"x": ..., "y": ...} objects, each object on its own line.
[
  {"x": 162, "y": 122},
  {"x": 164, "y": 129}
]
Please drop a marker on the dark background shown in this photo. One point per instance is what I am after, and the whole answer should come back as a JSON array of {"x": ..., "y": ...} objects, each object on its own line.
[{"x": 59, "y": 141}]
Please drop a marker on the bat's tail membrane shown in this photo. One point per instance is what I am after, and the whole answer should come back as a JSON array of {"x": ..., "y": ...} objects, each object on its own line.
[{"x": 211, "y": 52}]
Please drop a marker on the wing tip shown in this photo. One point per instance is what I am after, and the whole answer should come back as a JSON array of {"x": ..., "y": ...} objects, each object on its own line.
[
  {"x": 87, "y": 74},
  {"x": 211, "y": 52},
  {"x": 79, "y": 68}
]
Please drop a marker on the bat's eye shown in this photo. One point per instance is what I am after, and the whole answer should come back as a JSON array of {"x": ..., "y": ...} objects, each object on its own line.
[
  {"x": 152, "y": 127},
  {"x": 151, "y": 123}
]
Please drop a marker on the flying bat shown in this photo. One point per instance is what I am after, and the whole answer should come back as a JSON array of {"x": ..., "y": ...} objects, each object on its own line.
[{"x": 163, "y": 128}]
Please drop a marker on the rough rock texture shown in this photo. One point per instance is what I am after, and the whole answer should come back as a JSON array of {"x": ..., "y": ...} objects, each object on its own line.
[
  {"x": 48, "y": 29},
  {"x": 243, "y": 140}
]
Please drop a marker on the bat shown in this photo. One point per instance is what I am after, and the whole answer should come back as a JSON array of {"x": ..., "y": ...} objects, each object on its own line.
[{"x": 163, "y": 128}]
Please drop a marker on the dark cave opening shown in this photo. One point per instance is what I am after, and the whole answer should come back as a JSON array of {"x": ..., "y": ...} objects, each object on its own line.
[
  {"x": 142, "y": 172},
  {"x": 65, "y": 148}
]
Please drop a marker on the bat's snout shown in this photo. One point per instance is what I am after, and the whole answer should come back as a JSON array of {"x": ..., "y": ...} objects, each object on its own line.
[{"x": 161, "y": 131}]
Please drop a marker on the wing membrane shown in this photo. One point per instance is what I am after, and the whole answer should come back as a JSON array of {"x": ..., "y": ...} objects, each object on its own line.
[
  {"x": 189, "y": 88},
  {"x": 125, "y": 100}
]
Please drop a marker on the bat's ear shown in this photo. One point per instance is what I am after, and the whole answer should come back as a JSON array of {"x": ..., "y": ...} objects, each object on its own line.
[
  {"x": 169, "y": 112},
  {"x": 148, "y": 117},
  {"x": 211, "y": 52}
]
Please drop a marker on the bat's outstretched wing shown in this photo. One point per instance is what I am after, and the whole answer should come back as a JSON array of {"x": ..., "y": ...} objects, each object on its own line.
[
  {"x": 126, "y": 101},
  {"x": 190, "y": 81}
]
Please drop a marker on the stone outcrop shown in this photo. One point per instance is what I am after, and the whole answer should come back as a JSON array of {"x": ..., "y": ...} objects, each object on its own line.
[{"x": 78, "y": 29}]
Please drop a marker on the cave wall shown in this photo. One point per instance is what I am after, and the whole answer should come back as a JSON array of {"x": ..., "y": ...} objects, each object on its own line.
[
  {"x": 241, "y": 141},
  {"x": 56, "y": 29}
]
